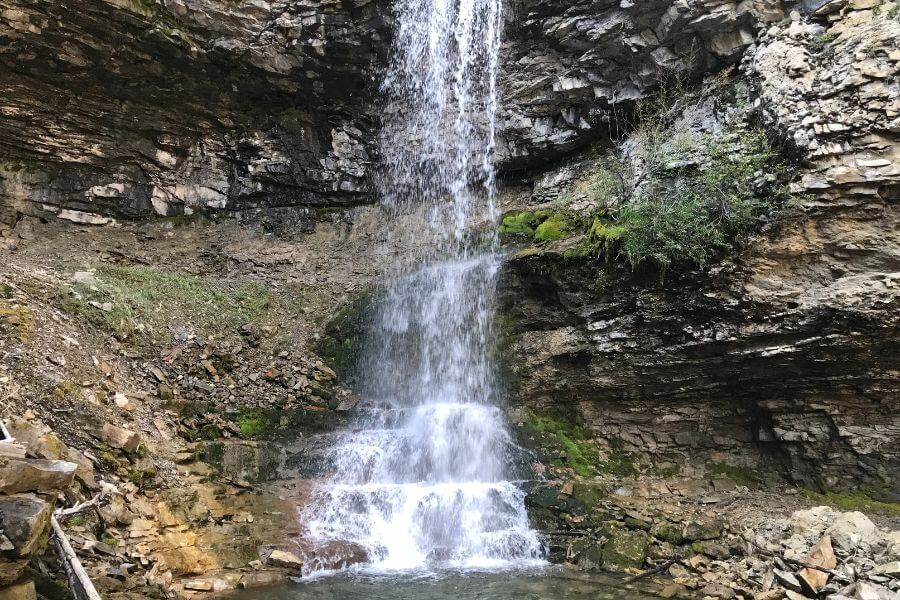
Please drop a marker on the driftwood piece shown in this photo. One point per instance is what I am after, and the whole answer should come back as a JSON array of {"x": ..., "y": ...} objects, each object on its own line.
[
  {"x": 659, "y": 569},
  {"x": 79, "y": 507},
  {"x": 79, "y": 583}
]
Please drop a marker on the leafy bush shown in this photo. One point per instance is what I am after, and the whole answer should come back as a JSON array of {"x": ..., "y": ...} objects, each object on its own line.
[{"x": 682, "y": 211}]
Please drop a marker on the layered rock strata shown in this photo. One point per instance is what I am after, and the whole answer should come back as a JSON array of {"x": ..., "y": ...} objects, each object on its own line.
[
  {"x": 137, "y": 108},
  {"x": 783, "y": 356}
]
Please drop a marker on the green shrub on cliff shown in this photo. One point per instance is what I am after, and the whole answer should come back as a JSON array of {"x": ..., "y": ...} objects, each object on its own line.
[{"x": 685, "y": 204}]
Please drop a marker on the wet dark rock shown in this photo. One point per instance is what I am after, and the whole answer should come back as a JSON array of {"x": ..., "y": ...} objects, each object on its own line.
[{"x": 25, "y": 522}]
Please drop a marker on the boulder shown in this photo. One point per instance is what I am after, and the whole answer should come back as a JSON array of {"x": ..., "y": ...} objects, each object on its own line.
[
  {"x": 717, "y": 590},
  {"x": 11, "y": 570},
  {"x": 283, "y": 559},
  {"x": 21, "y": 590},
  {"x": 25, "y": 521},
  {"x": 891, "y": 569},
  {"x": 333, "y": 555},
  {"x": 893, "y": 545},
  {"x": 41, "y": 442},
  {"x": 810, "y": 523},
  {"x": 626, "y": 549},
  {"x": 822, "y": 555},
  {"x": 870, "y": 591},
  {"x": 120, "y": 438},
  {"x": 851, "y": 530},
  {"x": 34, "y": 475},
  {"x": 702, "y": 530}
]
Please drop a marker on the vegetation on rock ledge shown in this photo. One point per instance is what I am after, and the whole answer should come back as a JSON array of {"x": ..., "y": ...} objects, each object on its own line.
[
  {"x": 677, "y": 192},
  {"x": 131, "y": 299},
  {"x": 682, "y": 203}
]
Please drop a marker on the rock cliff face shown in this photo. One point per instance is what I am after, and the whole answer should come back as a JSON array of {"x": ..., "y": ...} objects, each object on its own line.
[
  {"x": 573, "y": 69},
  {"x": 134, "y": 108},
  {"x": 783, "y": 356}
]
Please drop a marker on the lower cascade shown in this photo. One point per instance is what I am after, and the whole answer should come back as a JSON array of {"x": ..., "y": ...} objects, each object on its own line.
[
  {"x": 426, "y": 478},
  {"x": 423, "y": 482}
]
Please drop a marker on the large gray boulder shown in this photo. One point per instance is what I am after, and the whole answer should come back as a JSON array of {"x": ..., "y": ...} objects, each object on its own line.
[
  {"x": 852, "y": 530},
  {"x": 34, "y": 475}
]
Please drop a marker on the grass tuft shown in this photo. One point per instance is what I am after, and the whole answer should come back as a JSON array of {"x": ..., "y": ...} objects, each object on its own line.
[{"x": 129, "y": 300}]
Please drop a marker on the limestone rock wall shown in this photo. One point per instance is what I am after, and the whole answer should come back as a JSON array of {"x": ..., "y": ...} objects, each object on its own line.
[
  {"x": 784, "y": 356},
  {"x": 572, "y": 70},
  {"x": 135, "y": 108}
]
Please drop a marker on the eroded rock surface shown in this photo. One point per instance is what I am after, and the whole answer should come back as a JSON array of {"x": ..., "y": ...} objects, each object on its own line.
[
  {"x": 142, "y": 107},
  {"x": 573, "y": 69},
  {"x": 783, "y": 357}
]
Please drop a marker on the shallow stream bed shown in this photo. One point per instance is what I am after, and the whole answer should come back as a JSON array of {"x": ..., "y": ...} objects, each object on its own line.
[{"x": 543, "y": 584}]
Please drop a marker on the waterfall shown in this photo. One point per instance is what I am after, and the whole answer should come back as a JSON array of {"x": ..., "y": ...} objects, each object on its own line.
[{"x": 423, "y": 480}]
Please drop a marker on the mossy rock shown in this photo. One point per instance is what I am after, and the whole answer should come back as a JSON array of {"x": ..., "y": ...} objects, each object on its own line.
[
  {"x": 523, "y": 223},
  {"x": 703, "y": 530},
  {"x": 544, "y": 519},
  {"x": 343, "y": 336},
  {"x": 600, "y": 518},
  {"x": 626, "y": 549},
  {"x": 588, "y": 553},
  {"x": 668, "y": 532},
  {"x": 589, "y": 495},
  {"x": 543, "y": 497},
  {"x": 579, "y": 451},
  {"x": 556, "y": 227}
]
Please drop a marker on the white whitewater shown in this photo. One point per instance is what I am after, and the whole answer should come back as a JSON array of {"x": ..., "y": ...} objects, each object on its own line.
[{"x": 424, "y": 481}]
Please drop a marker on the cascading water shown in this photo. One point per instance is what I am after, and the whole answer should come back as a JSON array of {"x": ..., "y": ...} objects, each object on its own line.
[{"x": 424, "y": 480}]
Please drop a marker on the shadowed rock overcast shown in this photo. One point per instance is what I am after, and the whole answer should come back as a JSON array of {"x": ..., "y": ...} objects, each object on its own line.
[{"x": 693, "y": 340}]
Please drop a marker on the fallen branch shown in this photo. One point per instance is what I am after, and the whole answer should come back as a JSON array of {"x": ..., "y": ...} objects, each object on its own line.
[
  {"x": 79, "y": 583},
  {"x": 79, "y": 507},
  {"x": 653, "y": 571},
  {"x": 659, "y": 569}
]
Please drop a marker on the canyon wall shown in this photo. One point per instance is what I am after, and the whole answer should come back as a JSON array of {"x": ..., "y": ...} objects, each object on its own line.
[
  {"x": 782, "y": 356},
  {"x": 137, "y": 108},
  {"x": 779, "y": 358}
]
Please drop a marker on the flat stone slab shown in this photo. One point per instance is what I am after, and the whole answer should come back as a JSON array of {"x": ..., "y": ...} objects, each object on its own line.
[
  {"x": 25, "y": 520},
  {"x": 35, "y": 475}
]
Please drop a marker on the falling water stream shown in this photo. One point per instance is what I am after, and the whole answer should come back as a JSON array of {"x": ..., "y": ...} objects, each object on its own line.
[{"x": 424, "y": 480}]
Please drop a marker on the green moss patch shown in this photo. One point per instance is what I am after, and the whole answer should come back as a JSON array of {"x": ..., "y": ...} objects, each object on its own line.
[
  {"x": 580, "y": 452},
  {"x": 620, "y": 466},
  {"x": 522, "y": 224},
  {"x": 343, "y": 336},
  {"x": 251, "y": 425},
  {"x": 145, "y": 300},
  {"x": 626, "y": 549},
  {"x": 862, "y": 500},
  {"x": 555, "y": 227}
]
